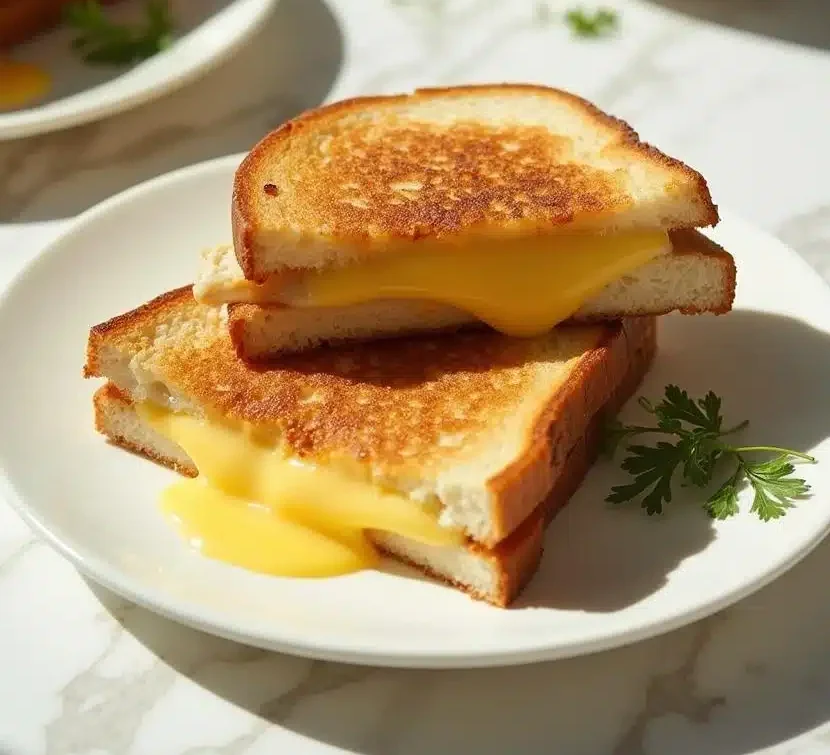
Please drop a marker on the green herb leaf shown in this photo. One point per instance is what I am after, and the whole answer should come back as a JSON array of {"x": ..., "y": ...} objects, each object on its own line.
[
  {"x": 653, "y": 469},
  {"x": 775, "y": 490},
  {"x": 677, "y": 408},
  {"x": 723, "y": 503},
  {"x": 701, "y": 456},
  {"x": 101, "y": 41},
  {"x": 595, "y": 23},
  {"x": 697, "y": 428}
]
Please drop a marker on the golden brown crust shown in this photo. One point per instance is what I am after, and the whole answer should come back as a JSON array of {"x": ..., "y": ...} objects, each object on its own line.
[
  {"x": 417, "y": 406},
  {"x": 516, "y": 558},
  {"x": 689, "y": 241},
  {"x": 562, "y": 420},
  {"x": 129, "y": 323},
  {"x": 109, "y": 393},
  {"x": 387, "y": 403},
  {"x": 406, "y": 179}
]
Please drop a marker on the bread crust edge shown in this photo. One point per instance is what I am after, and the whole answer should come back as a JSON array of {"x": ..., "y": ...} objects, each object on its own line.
[
  {"x": 516, "y": 488},
  {"x": 516, "y": 558},
  {"x": 244, "y": 225}
]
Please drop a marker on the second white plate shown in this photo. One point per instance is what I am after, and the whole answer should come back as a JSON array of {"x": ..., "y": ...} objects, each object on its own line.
[
  {"x": 213, "y": 30},
  {"x": 609, "y": 577}
]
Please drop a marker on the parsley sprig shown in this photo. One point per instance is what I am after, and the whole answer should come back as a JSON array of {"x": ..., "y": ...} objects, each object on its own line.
[
  {"x": 700, "y": 447},
  {"x": 596, "y": 23},
  {"x": 101, "y": 41}
]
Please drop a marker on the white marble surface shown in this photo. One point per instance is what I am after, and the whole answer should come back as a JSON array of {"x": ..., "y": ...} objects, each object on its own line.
[{"x": 82, "y": 672}]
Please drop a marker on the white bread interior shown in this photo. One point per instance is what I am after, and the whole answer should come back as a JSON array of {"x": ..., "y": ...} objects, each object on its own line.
[{"x": 688, "y": 283}]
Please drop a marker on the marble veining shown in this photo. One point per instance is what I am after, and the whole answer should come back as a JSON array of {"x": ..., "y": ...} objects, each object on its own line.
[
  {"x": 674, "y": 693},
  {"x": 82, "y": 671}
]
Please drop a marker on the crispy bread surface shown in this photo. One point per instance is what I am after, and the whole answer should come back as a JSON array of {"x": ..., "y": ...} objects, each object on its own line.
[
  {"x": 352, "y": 178},
  {"x": 508, "y": 566},
  {"x": 441, "y": 417}
]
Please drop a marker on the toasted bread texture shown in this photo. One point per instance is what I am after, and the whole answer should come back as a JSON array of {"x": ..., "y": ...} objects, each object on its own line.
[
  {"x": 698, "y": 276},
  {"x": 358, "y": 177},
  {"x": 495, "y": 574},
  {"x": 479, "y": 421}
]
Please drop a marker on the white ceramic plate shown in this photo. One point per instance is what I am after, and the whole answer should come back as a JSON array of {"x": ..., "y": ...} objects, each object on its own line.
[
  {"x": 210, "y": 31},
  {"x": 609, "y": 577}
]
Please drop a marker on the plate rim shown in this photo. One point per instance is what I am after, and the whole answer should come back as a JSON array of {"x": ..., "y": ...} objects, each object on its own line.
[
  {"x": 60, "y": 114},
  {"x": 209, "y": 620}
]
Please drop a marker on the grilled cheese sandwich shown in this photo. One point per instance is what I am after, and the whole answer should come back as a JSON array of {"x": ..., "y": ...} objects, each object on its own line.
[
  {"x": 516, "y": 207},
  {"x": 452, "y": 454},
  {"x": 520, "y": 287}
]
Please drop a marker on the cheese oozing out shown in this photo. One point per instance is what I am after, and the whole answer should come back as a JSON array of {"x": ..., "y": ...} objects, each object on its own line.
[
  {"x": 255, "y": 507},
  {"x": 521, "y": 287},
  {"x": 21, "y": 83}
]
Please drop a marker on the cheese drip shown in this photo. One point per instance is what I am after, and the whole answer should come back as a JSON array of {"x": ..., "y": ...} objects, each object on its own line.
[{"x": 256, "y": 508}]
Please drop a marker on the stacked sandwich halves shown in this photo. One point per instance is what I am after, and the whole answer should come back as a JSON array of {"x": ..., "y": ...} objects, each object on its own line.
[{"x": 430, "y": 303}]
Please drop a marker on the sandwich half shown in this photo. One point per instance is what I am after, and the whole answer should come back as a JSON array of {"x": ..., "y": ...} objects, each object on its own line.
[
  {"x": 514, "y": 206},
  {"x": 449, "y": 453}
]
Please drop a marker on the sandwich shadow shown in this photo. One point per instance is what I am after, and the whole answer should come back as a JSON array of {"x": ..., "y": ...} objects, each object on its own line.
[
  {"x": 799, "y": 21},
  {"x": 289, "y": 65},
  {"x": 412, "y": 360},
  {"x": 771, "y": 369},
  {"x": 602, "y": 559}
]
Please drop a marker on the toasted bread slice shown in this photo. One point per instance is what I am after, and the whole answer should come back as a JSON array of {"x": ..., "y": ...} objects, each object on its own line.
[
  {"x": 696, "y": 277},
  {"x": 365, "y": 176},
  {"x": 479, "y": 422},
  {"x": 495, "y": 574}
]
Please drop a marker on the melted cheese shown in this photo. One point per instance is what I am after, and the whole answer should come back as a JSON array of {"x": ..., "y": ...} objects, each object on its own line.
[
  {"x": 21, "y": 83},
  {"x": 521, "y": 288},
  {"x": 254, "y": 507}
]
